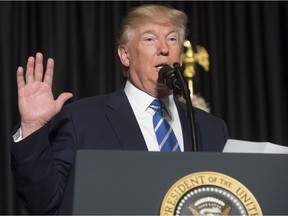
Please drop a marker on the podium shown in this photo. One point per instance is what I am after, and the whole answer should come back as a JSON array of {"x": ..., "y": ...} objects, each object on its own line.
[{"x": 136, "y": 182}]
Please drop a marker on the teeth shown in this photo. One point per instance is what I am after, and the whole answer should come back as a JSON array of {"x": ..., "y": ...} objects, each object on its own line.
[{"x": 160, "y": 66}]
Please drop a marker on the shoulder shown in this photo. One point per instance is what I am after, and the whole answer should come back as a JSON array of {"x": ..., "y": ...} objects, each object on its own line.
[
  {"x": 205, "y": 116},
  {"x": 105, "y": 101},
  {"x": 210, "y": 122},
  {"x": 200, "y": 115}
]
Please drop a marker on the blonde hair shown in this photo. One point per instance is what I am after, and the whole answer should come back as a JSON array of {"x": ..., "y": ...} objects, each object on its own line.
[{"x": 151, "y": 12}]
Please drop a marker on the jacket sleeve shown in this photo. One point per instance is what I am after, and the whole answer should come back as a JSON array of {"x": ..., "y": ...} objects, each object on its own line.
[{"x": 40, "y": 164}]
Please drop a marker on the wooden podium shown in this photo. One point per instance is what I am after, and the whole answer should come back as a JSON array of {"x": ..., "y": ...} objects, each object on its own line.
[{"x": 136, "y": 182}]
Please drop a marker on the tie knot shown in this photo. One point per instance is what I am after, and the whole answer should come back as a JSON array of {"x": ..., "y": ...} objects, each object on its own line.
[{"x": 155, "y": 104}]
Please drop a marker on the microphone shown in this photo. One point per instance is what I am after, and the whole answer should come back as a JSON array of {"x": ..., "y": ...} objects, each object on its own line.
[
  {"x": 174, "y": 79},
  {"x": 168, "y": 77}
]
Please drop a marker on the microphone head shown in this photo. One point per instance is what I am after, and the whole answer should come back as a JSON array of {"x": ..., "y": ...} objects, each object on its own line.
[
  {"x": 164, "y": 71},
  {"x": 168, "y": 77},
  {"x": 176, "y": 65}
]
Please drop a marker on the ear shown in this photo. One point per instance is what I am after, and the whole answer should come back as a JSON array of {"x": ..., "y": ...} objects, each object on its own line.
[{"x": 124, "y": 55}]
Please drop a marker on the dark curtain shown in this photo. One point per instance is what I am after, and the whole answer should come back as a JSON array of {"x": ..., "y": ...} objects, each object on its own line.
[{"x": 246, "y": 41}]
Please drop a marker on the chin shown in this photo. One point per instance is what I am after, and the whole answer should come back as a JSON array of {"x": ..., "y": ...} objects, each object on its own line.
[{"x": 164, "y": 91}]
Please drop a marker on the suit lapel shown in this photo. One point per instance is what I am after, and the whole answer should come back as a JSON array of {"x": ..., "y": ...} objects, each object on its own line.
[{"x": 124, "y": 122}]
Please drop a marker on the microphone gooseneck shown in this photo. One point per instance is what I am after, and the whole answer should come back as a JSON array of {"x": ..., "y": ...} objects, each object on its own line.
[{"x": 174, "y": 79}]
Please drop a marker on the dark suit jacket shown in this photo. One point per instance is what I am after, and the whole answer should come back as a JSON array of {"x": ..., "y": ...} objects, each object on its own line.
[{"x": 41, "y": 162}]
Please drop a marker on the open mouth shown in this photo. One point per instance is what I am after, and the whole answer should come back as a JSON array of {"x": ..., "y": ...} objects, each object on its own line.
[{"x": 159, "y": 66}]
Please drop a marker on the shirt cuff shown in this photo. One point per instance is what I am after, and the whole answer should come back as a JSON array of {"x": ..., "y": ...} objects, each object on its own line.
[{"x": 17, "y": 137}]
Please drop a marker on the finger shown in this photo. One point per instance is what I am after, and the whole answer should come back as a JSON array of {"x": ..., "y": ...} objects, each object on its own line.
[
  {"x": 30, "y": 70},
  {"x": 20, "y": 77},
  {"x": 48, "y": 78},
  {"x": 38, "y": 75},
  {"x": 62, "y": 99}
]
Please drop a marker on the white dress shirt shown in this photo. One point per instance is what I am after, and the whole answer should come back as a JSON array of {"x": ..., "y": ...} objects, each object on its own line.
[{"x": 140, "y": 102}]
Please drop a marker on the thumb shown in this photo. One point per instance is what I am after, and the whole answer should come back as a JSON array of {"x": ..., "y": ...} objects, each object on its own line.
[{"x": 62, "y": 98}]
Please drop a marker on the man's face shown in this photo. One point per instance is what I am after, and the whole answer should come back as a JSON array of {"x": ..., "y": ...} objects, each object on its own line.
[{"x": 151, "y": 46}]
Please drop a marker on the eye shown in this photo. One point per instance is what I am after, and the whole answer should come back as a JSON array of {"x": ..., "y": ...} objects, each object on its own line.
[
  {"x": 149, "y": 40},
  {"x": 173, "y": 39}
]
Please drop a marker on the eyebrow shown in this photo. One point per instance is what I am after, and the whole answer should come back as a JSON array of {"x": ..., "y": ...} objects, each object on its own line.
[{"x": 154, "y": 32}]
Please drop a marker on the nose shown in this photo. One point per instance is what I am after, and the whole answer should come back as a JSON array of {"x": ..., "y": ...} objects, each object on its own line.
[{"x": 163, "y": 49}]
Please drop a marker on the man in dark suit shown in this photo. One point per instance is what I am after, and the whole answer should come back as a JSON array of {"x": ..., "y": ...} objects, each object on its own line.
[{"x": 44, "y": 146}]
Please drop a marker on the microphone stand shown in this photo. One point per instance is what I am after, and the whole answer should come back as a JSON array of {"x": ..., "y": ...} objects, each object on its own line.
[{"x": 190, "y": 110}]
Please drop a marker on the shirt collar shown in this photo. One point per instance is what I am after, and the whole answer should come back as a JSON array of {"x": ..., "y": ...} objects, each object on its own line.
[
  {"x": 137, "y": 98},
  {"x": 141, "y": 100}
]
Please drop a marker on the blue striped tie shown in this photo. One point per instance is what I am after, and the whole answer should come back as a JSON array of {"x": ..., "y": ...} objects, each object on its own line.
[{"x": 165, "y": 136}]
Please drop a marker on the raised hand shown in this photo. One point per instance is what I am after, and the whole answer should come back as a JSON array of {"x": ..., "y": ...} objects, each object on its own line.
[{"x": 35, "y": 99}]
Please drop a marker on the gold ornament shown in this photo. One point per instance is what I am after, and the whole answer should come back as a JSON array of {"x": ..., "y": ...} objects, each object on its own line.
[{"x": 189, "y": 60}]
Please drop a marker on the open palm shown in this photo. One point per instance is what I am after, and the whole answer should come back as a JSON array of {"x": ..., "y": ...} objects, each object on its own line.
[{"x": 35, "y": 99}]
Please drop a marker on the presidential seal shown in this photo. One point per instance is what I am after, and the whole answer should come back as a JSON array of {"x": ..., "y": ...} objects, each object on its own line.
[{"x": 209, "y": 193}]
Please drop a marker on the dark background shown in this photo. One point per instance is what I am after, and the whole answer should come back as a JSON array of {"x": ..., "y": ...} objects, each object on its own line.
[{"x": 246, "y": 41}]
